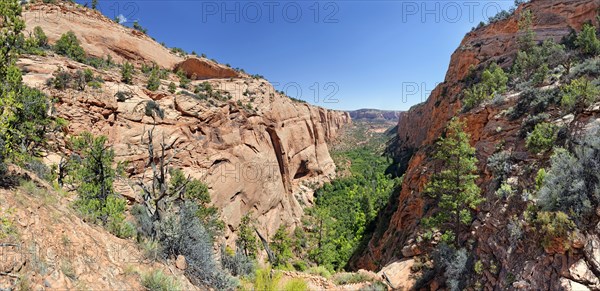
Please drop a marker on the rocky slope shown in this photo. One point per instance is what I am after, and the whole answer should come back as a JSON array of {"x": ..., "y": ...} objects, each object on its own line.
[
  {"x": 523, "y": 266},
  {"x": 253, "y": 146},
  {"x": 51, "y": 248}
]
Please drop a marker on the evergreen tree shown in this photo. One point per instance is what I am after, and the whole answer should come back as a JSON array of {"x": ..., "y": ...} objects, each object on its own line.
[
  {"x": 587, "y": 42},
  {"x": 454, "y": 186},
  {"x": 246, "y": 238},
  {"x": 281, "y": 246},
  {"x": 94, "y": 4}
]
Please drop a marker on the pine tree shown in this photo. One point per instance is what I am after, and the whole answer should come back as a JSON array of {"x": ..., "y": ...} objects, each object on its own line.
[
  {"x": 454, "y": 186},
  {"x": 11, "y": 27},
  {"x": 246, "y": 239},
  {"x": 94, "y": 4},
  {"x": 281, "y": 245}
]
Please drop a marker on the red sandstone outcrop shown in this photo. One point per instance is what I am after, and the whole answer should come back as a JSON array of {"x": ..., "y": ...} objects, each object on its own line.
[
  {"x": 253, "y": 146},
  {"x": 422, "y": 125}
]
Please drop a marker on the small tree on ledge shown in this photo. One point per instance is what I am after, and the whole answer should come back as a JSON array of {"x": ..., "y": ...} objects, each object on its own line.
[{"x": 454, "y": 186}]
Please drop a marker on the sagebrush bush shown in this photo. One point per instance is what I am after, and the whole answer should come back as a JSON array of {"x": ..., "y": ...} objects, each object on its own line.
[
  {"x": 184, "y": 234},
  {"x": 500, "y": 164},
  {"x": 589, "y": 67},
  {"x": 123, "y": 96},
  {"x": 542, "y": 137},
  {"x": 571, "y": 184},
  {"x": 236, "y": 262},
  {"x": 455, "y": 264},
  {"x": 529, "y": 123}
]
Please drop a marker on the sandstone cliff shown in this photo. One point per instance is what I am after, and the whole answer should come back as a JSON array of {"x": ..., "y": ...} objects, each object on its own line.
[
  {"x": 419, "y": 128},
  {"x": 254, "y": 147}
]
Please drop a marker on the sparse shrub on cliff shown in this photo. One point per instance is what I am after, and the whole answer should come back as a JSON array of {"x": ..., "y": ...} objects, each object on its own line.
[
  {"x": 500, "y": 164},
  {"x": 350, "y": 278},
  {"x": 556, "y": 229},
  {"x": 154, "y": 108},
  {"x": 587, "y": 42},
  {"x": 153, "y": 81},
  {"x": 184, "y": 81},
  {"x": 127, "y": 72},
  {"x": 172, "y": 88},
  {"x": 578, "y": 94},
  {"x": 454, "y": 264},
  {"x": 493, "y": 81},
  {"x": 40, "y": 37},
  {"x": 501, "y": 15},
  {"x": 138, "y": 27},
  {"x": 542, "y": 137},
  {"x": 62, "y": 80},
  {"x": 123, "y": 96},
  {"x": 68, "y": 45},
  {"x": 530, "y": 122}
]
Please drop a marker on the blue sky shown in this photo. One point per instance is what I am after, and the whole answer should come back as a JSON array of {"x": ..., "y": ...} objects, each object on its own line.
[{"x": 336, "y": 54}]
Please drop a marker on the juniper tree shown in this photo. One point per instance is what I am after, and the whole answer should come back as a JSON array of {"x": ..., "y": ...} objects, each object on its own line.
[{"x": 454, "y": 186}]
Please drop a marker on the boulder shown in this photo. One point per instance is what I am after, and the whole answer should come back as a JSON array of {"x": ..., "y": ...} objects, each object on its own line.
[
  {"x": 181, "y": 263},
  {"x": 398, "y": 274}
]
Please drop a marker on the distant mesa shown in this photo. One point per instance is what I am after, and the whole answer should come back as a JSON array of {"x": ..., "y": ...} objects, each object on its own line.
[{"x": 374, "y": 114}]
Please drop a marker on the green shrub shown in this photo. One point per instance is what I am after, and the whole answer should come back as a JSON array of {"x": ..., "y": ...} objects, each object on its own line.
[
  {"x": 295, "y": 284},
  {"x": 40, "y": 37},
  {"x": 300, "y": 266},
  {"x": 68, "y": 45},
  {"x": 127, "y": 72},
  {"x": 319, "y": 271},
  {"x": 62, "y": 80},
  {"x": 493, "y": 81},
  {"x": 500, "y": 164},
  {"x": 505, "y": 191},
  {"x": 542, "y": 138},
  {"x": 158, "y": 281},
  {"x": 80, "y": 82},
  {"x": 172, "y": 88},
  {"x": 556, "y": 230},
  {"x": 138, "y": 27},
  {"x": 153, "y": 81},
  {"x": 587, "y": 42},
  {"x": 350, "y": 278},
  {"x": 184, "y": 81},
  {"x": 579, "y": 93},
  {"x": 266, "y": 280},
  {"x": 281, "y": 247}
]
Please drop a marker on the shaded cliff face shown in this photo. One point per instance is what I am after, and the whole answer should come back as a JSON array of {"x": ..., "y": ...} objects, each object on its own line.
[
  {"x": 419, "y": 128},
  {"x": 252, "y": 146}
]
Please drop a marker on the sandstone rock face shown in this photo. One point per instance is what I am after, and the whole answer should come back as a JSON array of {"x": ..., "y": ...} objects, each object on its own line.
[
  {"x": 398, "y": 274},
  {"x": 254, "y": 147},
  {"x": 99, "y": 36},
  {"x": 198, "y": 69},
  {"x": 419, "y": 128}
]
